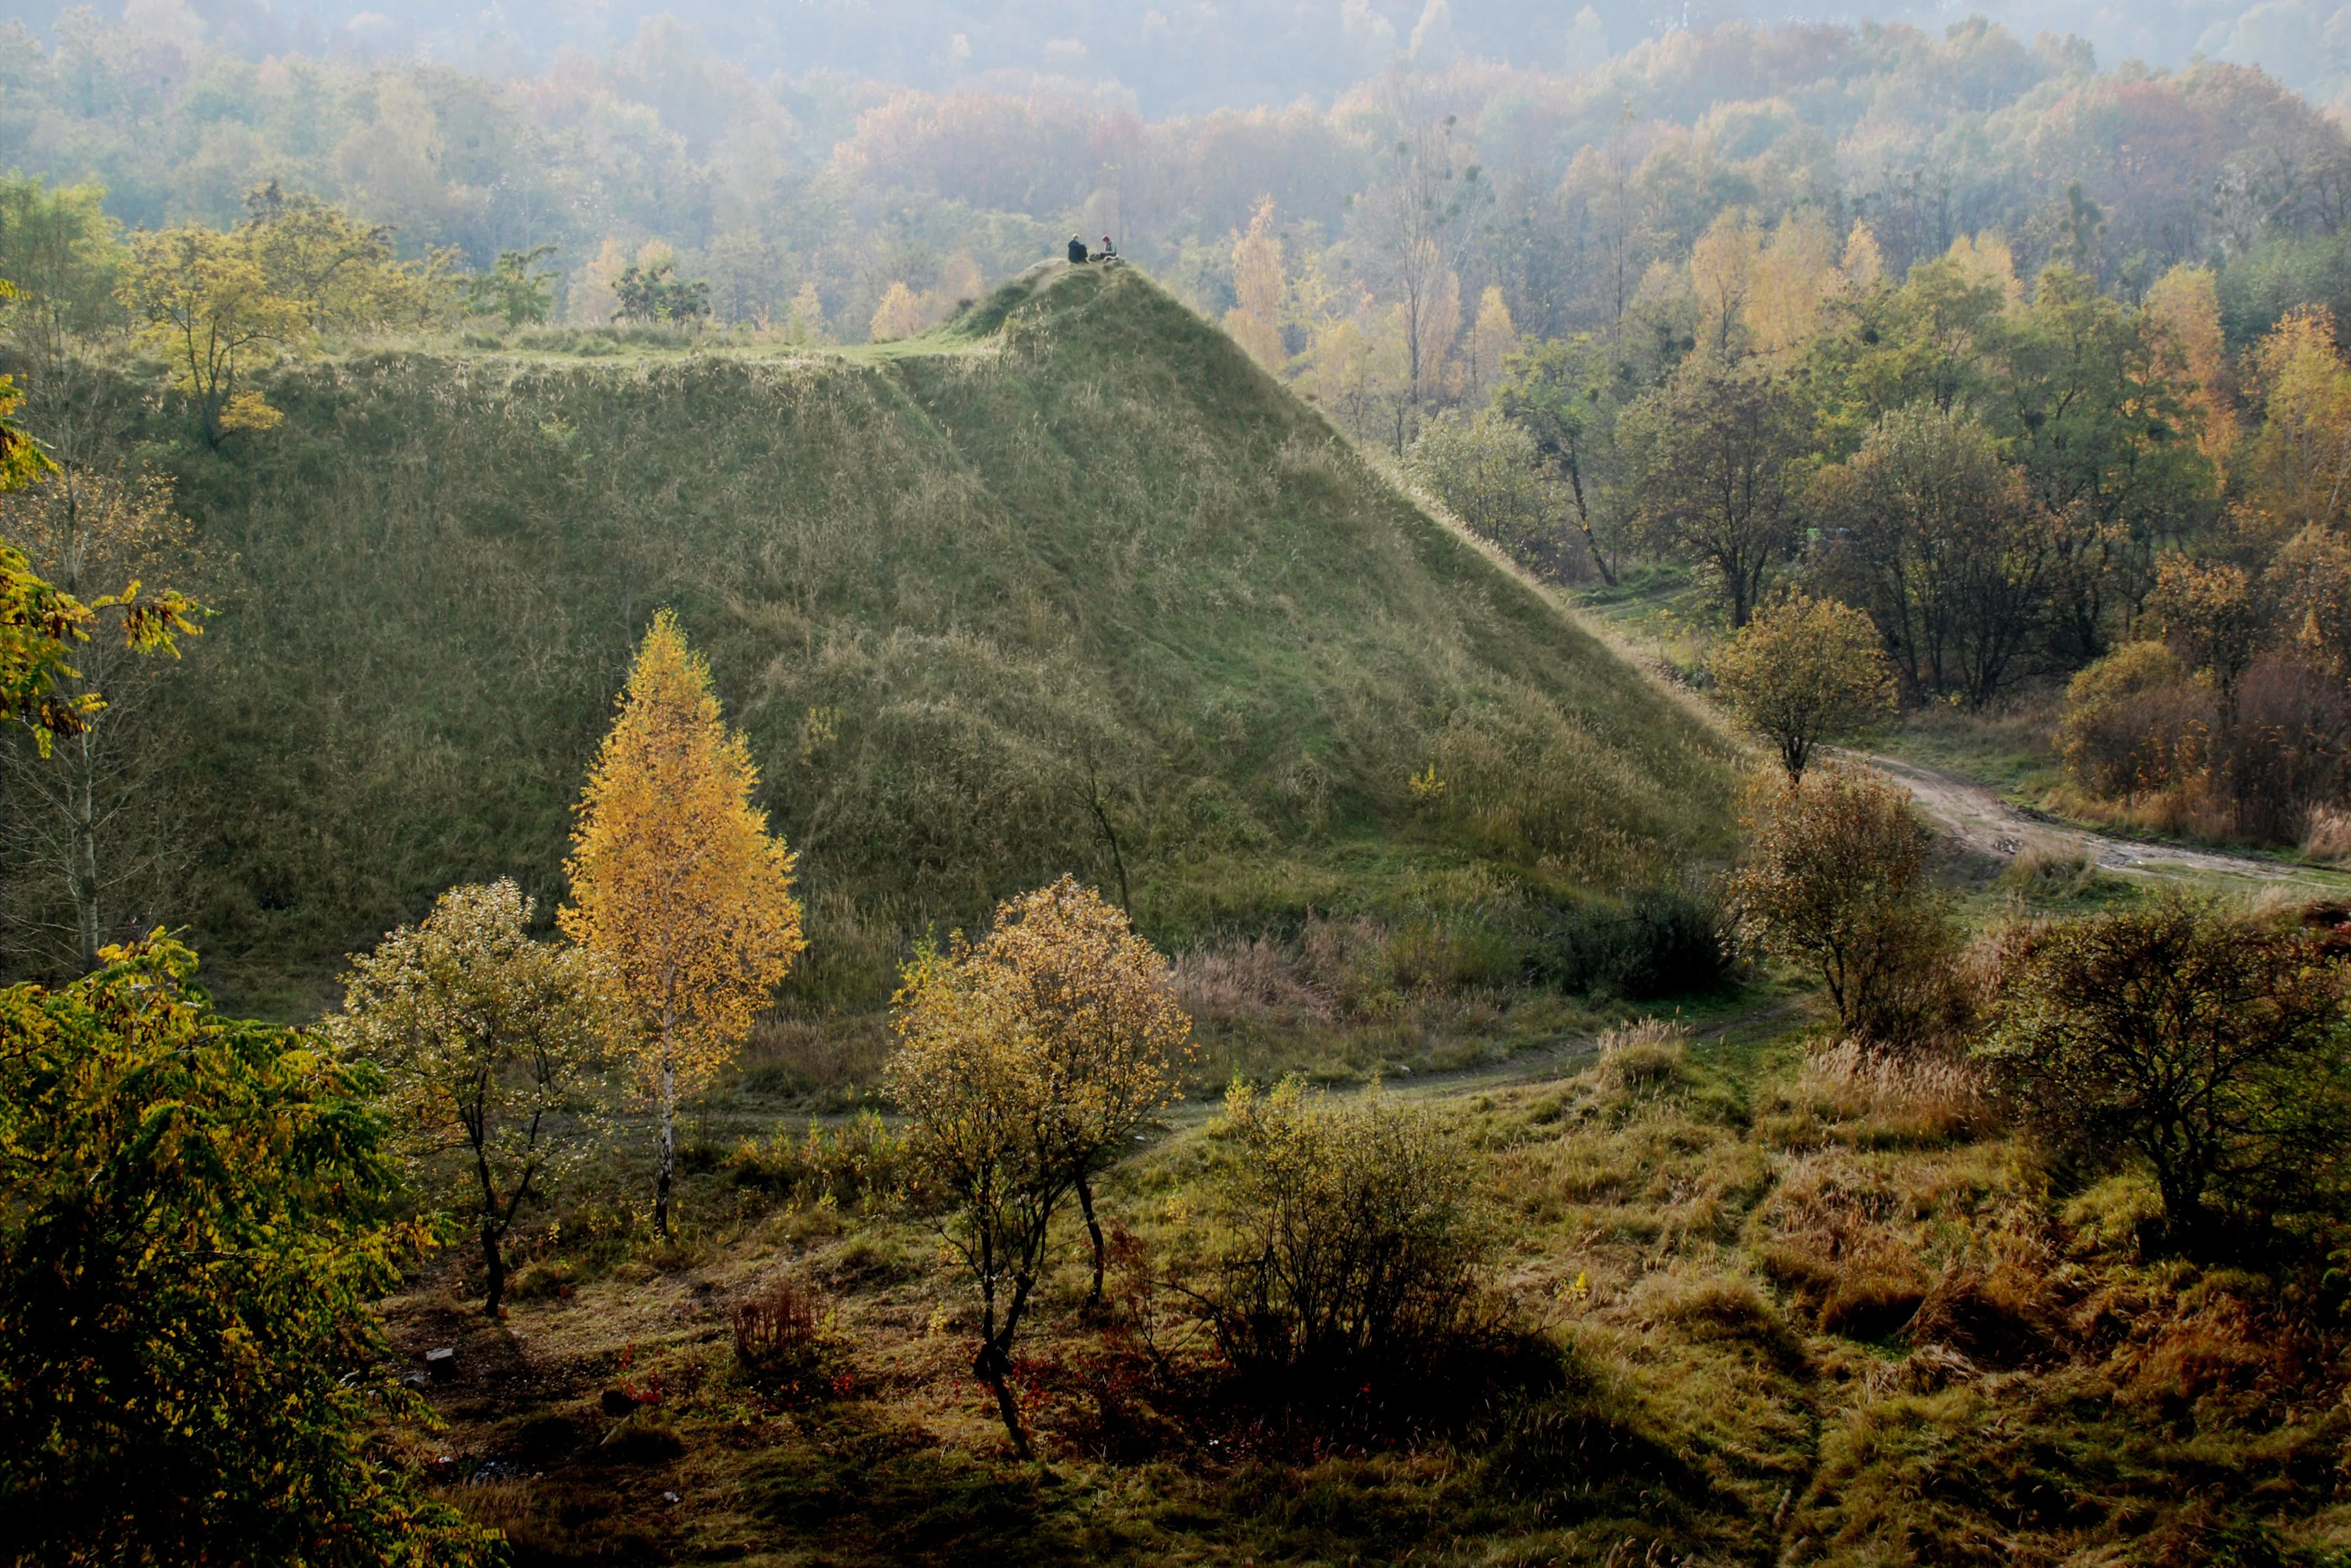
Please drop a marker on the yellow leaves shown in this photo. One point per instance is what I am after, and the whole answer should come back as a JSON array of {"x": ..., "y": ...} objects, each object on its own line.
[
  {"x": 675, "y": 882},
  {"x": 206, "y": 304},
  {"x": 1038, "y": 1049},
  {"x": 2302, "y": 466},
  {"x": 900, "y": 314},
  {"x": 1802, "y": 670},
  {"x": 1254, "y": 322},
  {"x": 2183, "y": 310}
]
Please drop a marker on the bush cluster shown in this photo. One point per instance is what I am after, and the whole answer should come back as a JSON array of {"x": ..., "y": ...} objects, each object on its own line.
[
  {"x": 1353, "y": 1239},
  {"x": 1665, "y": 941}
]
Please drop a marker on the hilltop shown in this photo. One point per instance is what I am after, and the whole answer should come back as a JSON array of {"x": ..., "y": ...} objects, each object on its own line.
[{"x": 1067, "y": 583}]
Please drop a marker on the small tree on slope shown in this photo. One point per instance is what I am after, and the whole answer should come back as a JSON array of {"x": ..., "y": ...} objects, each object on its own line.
[
  {"x": 487, "y": 1041},
  {"x": 676, "y": 883}
]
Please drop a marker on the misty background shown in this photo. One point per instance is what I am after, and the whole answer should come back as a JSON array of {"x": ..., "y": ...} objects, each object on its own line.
[{"x": 1190, "y": 56}]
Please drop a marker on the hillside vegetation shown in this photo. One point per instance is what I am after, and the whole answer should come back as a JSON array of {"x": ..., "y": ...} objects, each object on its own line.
[{"x": 1066, "y": 584}]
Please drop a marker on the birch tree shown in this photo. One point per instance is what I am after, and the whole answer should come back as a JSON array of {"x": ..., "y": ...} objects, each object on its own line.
[{"x": 676, "y": 883}]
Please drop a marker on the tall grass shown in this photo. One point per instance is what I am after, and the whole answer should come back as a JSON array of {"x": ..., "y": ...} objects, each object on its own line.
[{"x": 1067, "y": 585}]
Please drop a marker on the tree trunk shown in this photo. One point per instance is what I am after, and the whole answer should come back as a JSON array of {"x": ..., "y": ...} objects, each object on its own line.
[
  {"x": 493, "y": 1265},
  {"x": 665, "y": 1151},
  {"x": 1094, "y": 1230},
  {"x": 81, "y": 863},
  {"x": 992, "y": 1365},
  {"x": 1584, "y": 521}
]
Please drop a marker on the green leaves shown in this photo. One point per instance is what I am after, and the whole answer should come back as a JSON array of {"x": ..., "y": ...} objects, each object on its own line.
[{"x": 195, "y": 1220}]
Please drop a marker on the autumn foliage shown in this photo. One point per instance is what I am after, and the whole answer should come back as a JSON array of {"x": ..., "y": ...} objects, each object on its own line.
[
  {"x": 677, "y": 886},
  {"x": 1804, "y": 671},
  {"x": 196, "y": 1221},
  {"x": 1025, "y": 1060}
]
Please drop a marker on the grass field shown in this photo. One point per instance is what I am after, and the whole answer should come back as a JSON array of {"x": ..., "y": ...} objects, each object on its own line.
[
  {"x": 1068, "y": 583},
  {"x": 1765, "y": 1310}
]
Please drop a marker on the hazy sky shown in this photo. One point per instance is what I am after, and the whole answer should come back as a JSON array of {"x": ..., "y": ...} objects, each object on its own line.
[{"x": 1172, "y": 56}]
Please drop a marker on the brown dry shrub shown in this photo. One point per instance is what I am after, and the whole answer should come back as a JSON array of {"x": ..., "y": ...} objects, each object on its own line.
[
  {"x": 1249, "y": 980},
  {"x": 2256, "y": 762},
  {"x": 777, "y": 1323}
]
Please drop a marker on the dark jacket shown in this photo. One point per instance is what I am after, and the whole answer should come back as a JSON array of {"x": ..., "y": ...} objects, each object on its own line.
[{"x": 1077, "y": 250}]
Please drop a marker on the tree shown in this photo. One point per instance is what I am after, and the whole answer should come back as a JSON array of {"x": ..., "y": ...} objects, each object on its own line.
[
  {"x": 512, "y": 290},
  {"x": 42, "y": 625},
  {"x": 2206, "y": 1043},
  {"x": 1487, "y": 470},
  {"x": 2207, "y": 613},
  {"x": 65, "y": 256},
  {"x": 204, "y": 302},
  {"x": 1255, "y": 323},
  {"x": 1715, "y": 451},
  {"x": 1802, "y": 671},
  {"x": 2300, "y": 466},
  {"x": 805, "y": 323},
  {"x": 2088, "y": 408},
  {"x": 976, "y": 1092},
  {"x": 1416, "y": 218},
  {"x": 344, "y": 274},
  {"x": 1834, "y": 878},
  {"x": 92, "y": 818},
  {"x": 192, "y": 1226},
  {"x": 1493, "y": 339},
  {"x": 648, "y": 293},
  {"x": 900, "y": 315},
  {"x": 488, "y": 1041},
  {"x": 1942, "y": 543},
  {"x": 1558, "y": 392},
  {"x": 676, "y": 885},
  {"x": 1094, "y": 996},
  {"x": 1025, "y": 1063}
]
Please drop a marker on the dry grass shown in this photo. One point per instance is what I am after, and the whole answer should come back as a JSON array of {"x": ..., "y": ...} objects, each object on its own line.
[
  {"x": 2328, "y": 834},
  {"x": 1644, "y": 1058},
  {"x": 1260, "y": 979},
  {"x": 777, "y": 1322},
  {"x": 1870, "y": 1095}
]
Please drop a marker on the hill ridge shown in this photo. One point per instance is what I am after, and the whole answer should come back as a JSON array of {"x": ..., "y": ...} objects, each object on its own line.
[{"x": 1071, "y": 567}]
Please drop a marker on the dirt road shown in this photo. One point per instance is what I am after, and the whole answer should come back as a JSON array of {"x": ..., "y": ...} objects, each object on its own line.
[{"x": 1984, "y": 822}]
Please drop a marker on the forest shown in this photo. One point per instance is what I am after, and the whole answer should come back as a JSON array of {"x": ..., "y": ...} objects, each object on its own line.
[{"x": 1589, "y": 812}]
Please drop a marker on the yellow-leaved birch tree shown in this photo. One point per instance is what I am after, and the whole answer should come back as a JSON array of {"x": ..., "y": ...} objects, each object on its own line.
[{"x": 676, "y": 883}]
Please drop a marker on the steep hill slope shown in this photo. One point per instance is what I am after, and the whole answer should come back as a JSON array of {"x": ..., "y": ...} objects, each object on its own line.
[{"x": 1068, "y": 583}]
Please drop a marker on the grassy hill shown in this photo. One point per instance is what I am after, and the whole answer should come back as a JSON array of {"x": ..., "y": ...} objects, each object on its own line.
[{"x": 1067, "y": 583}]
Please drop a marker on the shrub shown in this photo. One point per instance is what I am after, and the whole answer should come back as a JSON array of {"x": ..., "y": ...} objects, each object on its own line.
[
  {"x": 192, "y": 1227},
  {"x": 1804, "y": 671},
  {"x": 849, "y": 1163},
  {"x": 1836, "y": 879},
  {"x": 1355, "y": 1244},
  {"x": 2204, "y": 1044},
  {"x": 775, "y": 1325},
  {"x": 1667, "y": 941},
  {"x": 2258, "y": 758},
  {"x": 2119, "y": 714}
]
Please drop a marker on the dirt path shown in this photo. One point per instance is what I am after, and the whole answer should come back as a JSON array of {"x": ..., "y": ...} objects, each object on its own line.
[{"x": 1979, "y": 820}]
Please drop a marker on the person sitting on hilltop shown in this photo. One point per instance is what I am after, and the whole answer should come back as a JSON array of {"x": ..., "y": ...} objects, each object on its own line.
[
  {"x": 1109, "y": 252},
  {"x": 1077, "y": 250}
]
